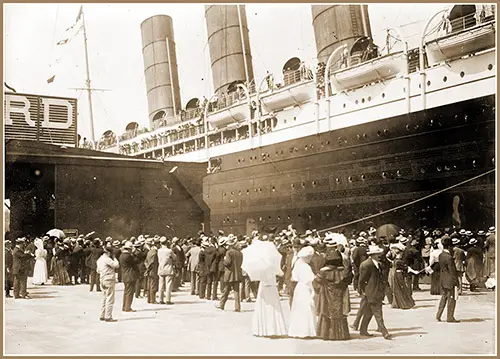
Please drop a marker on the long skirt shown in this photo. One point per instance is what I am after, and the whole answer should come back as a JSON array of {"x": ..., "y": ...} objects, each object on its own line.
[
  {"x": 391, "y": 277},
  {"x": 61, "y": 276},
  {"x": 435, "y": 283},
  {"x": 333, "y": 328},
  {"x": 268, "y": 319},
  {"x": 401, "y": 298},
  {"x": 40, "y": 272},
  {"x": 302, "y": 315}
]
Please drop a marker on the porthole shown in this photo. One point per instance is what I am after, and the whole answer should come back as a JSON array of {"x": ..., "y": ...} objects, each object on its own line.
[
  {"x": 260, "y": 189},
  {"x": 248, "y": 191},
  {"x": 292, "y": 185},
  {"x": 383, "y": 95},
  {"x": 232, "y": 193},
  {"x": 462, "y": 74},
  {"x": 327, "y": 142},
  {"x": 369, "y": 98},
  {"x": 223, "y": 194},
  {"x": 269, "y": 217},
  {"x": 279, "y": 218},
  {"x": 422, "y": 170},
  {"x": 343, "y": 105},
  {"x": 306, "y": 147},
  {"x": 239, "y": 193},
  {"x": 357, "y": 101},
  {"x": 260, "y": 219},
  {"x": 294, "y": 118},
  {"x": 288, "y": 217},
  {"x": 274, "y": 189},
  {"x": 384, "y": 175},
  {"x": 490, "y": 67},
  {"x": 337, "y": 180},
  {"x": 398, "y": 173},
  {"x": 445, "y": 79},
  {"x": 439, "y": 169},
  {"x": 363, "y": 177},
  {"x": 363, "y": 100},
  {"x": 303, "y": 185},
  {"x": 314, "y": 183},
  {"x": 404, "y": 89},
  {"x": 408, "y": 127},
  {"x": 349, "y": 179},
  {"x": 428, "y": 83}
]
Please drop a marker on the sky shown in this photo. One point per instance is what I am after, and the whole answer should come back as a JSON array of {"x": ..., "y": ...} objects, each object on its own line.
[{"x": 278, "y": 32}]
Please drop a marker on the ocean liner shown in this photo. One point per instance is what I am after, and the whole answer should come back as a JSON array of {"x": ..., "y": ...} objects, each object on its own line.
[{"x": 362, "y": 132}]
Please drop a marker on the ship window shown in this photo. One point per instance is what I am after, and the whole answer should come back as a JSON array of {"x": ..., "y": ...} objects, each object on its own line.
[
  {"x": 357, "y": 101},
  {"x": 349, "y": 179},
  {"x": 224, "y": 194},
  {"x": 428, "y": 83},
  {"x": 369, "y": 98},
  {"x": 398, "y": 173},
  {"x": 274, "y": 189},
  {"x": 306, "y": 147},
  {"x": 269, "y": 217},
  {"x": 439, "y": 169},
  {"x": 445, "y": 79},
  {"x": 294, "y": 118},
  {"x": 239, "y": 193},
  {"x": 462, "y": 74},
  {"x": 408, "y": 127},
  {"x": 365, "y": 136},
  {"x": 490, "y": 67},
  {"x": 303, "y": 185},
  {"x": 260, "y": 189},
  {"x": 284, "y": 121},
  {"x": 344, "y": 105},
  {"x": 279, "y": 218},
  {"x": 422, "y": 170},
  {"x": 248, "y": 191},
  {"x": 337, "y": 180},
  {"x": 288, "y": 217},
  {"x": 384, "y": 175},
  {"x": 314, "y": 183},
  {"x": 363, "y": 177},
  {"x": 363, "y": 100},
  {"x": 404, "y": 89},
  {"x": 293, "y": 185},
  {"x": 260, "y": 219},
  {"x": 232, "y": 193},
  {"x": 383, "y": 95}
]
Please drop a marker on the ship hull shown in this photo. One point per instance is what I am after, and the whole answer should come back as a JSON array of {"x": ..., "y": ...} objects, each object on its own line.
[{"x": 341, "y": 176}]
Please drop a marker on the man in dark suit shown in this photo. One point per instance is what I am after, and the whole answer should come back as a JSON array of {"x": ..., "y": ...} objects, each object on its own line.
[
  {"x": 130, "y": 272},
  {"x": 358, "y": 256},
  {"x": 117, "y": 252},
  {"x": 221, "y": 253},
  {"x": 413, "y": 259},
  {"x": 8, "y": 268},
  {"x": 372, "y": 287},
  {"x": 95, "y": 254},
  {"x": 142, "y": 280},
  {"x": 20, "y": 269},
  {"x": 232, "y": 275},
  {"x": 448, "y": 280},
  {"x": 178, "y": 263},
  {"x": 206, "y": 265},
  {"x": 151, "y": 264}
]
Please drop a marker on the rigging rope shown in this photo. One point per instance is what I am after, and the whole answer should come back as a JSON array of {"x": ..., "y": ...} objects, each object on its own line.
[{"x": 407, "y": 204}]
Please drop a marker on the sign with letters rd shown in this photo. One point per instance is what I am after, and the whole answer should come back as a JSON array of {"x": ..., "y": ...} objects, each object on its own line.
[{"x": 40, "y": 118}]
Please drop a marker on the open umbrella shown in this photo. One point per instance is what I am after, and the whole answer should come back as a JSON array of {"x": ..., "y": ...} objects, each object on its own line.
[
  {"x": 56, "y": 233},
  {"x": 389, "y": 231},
  {"x": 260, "y": 259}
]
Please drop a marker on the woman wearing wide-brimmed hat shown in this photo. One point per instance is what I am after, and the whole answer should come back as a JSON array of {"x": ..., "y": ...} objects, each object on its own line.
[
  {"x": 402, "y": 298},
  {"x": 40, "y": 272},
  {"x": 303, "y": 312},
  {"x": 331, "y": 285}
]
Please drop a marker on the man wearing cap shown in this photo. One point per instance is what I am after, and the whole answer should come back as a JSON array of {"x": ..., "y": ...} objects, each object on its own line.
[
  {"x": 95, "y": 254},
  {"x": 372, "y": 287},
  {"x": 129, "y": 264},
  {"x": 459, "y": 257},
  {"x": 151, "y": 264},
  {"x": 232, "y": 275},
  {"x": 106, "y": 266},
  {"x": 193, "y": 256},
  {"x": 358, "y": 256},
  {"x": 8, "y": 268},
  {"x": 20, "y": 269},
  {"x": 448, "y": 281},
  {"x": 166, "y": 271}
]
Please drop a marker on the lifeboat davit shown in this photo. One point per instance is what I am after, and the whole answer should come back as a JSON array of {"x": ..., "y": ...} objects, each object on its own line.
[
  {"x": 466, "y": 31},
  {"x": 361, "y": 72}
]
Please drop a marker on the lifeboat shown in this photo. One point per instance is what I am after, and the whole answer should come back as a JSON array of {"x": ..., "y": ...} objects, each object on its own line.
[
  {"x": 361, "y": 72},
  {"x": 298, "y": 87},
  {"x": 461, "y": 43},
  {"x": 237, "y": 112}
]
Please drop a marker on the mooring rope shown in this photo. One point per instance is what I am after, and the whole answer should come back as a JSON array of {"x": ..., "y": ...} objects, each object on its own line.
[{"x": 407, "y": 204}]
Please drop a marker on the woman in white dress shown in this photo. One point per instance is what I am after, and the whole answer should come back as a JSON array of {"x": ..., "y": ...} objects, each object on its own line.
[
  {"x": 302, "y": 315},
  {"x": 268, "y": 318},
  {"x": 40, "y": 270}
]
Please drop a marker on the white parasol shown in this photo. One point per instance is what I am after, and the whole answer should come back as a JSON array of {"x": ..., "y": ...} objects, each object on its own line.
[
  {"x": 338, "y": 238},
  {"x": 56, "y": 233},
  {"x": 260, "y": 259}
]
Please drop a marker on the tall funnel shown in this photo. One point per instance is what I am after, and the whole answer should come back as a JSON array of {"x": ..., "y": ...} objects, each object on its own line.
[
  {"x": 229, "y": 55},
  {"x": 160, "y": 68},
  {"x": 336, "y": 25}
]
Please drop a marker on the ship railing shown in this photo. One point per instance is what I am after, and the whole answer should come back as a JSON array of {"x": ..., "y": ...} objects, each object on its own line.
[
  {"x": 295, "y": 76},
  {"x": 191, "y": 114},
  {"x": 482, "y": 15}
]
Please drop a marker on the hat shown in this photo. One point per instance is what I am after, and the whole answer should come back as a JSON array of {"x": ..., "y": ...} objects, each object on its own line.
[
  {"x": 175, "y": 240},
  {"x": 402, "y": 239},
  {"x": 372, "y": 230},
  {"x": 473, "y": 241},
  {"x": 308, "y": 232},
  {"x": 462, "y": 231},
  {"x": 108, "y": 247},
  {"x": 108, "y": 239},
  {"x": 116, "y": 243},
  {"x": 374, "y": 250},
  {"x": 455, "y": 240},
  {"x": 205, "y": 242},
  {"x": 21, "y": 240},
  {"x": 360, "y": 240},
  {"x": 306, "y": 252},
  {"x": 97, "y": 240},
  {"x": 468, "y": 233},
  {"x": 231, "y": 241},
  {"x": 491, "y": 229},
  {"x": 163, "y": 240},
  {"x": 363, "y": 234},
  {"x": 314, "y": 241},
  {"x": 329, "y": 241},
  {"x": 149, "y": 241},
  {"x": 481, "y": 233},
  {"x": 222, "y": 241},
  {"x": 127, "y": 245},
  {"x": 67, "y": 241},
  {"x": 398, "y": 246}
]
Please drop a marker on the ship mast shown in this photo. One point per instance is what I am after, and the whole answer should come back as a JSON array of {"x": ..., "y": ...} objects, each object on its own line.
[{"x": 87, "y": 82}]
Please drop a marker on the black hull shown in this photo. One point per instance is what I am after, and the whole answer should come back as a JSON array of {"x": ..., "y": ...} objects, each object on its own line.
[{"x": 330, "y": 179}]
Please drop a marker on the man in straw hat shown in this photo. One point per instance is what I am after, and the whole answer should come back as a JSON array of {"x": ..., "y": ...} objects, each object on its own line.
[
  {"x": 130, "y": 273},
  {"x": 448, "y": 281},
  {"x": 106, "y": 266},
  {"x": 372, "y": 287},
  {"x": 192, "y": 257},
  {"x": 151, "y": 264},
  {"x": 232, "y": 275},
  {"x": 207, "y": 263},
  {"x": 95, "y": 254},
  {"x": 358, "y": 256},
  {"x": 166, "y": 271},
  {"x": 459, "y": 258},
  {"x": 20, "y": 268}
]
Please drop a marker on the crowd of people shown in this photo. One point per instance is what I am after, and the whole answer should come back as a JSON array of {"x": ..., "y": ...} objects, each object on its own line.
[{"x": 314, "y": 270}]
